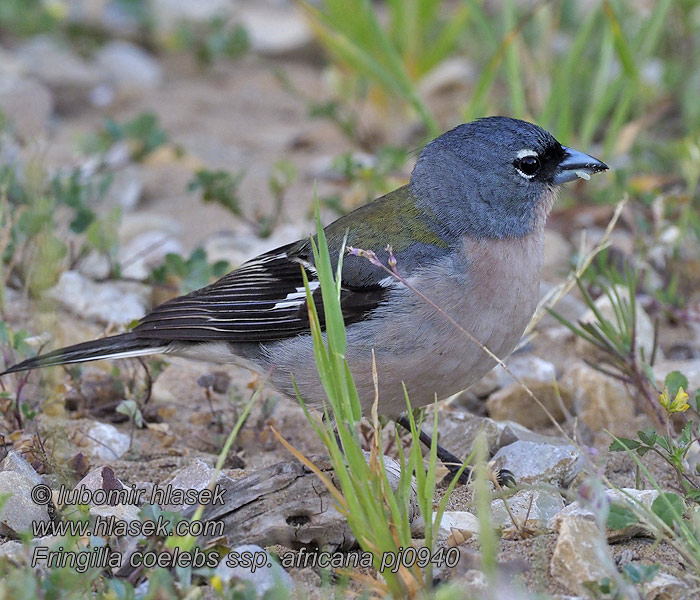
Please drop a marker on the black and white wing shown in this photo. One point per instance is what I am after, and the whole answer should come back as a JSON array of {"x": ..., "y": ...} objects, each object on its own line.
[{"x": 263, "y": 300}]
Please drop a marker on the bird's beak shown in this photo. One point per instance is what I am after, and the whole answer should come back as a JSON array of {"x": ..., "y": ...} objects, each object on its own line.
[{"x": 576, "y": 165}]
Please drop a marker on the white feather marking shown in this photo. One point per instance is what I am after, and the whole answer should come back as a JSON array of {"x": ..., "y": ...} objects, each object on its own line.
[{"x": 290, "y": 304}]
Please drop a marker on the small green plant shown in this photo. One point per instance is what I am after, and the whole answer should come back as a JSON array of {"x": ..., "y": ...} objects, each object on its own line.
[
  {"x": 218, "y": 187},
  {"x": 221, "y": 187},
  {"x": 615, "y": 336},
  {"x": 672, "y": 448},
  {"x": 638, "y": 575},
  {"x": 188, "y": 274},
  {"x": 143, "y": 133},
  {"x": 211, "y": 41}
]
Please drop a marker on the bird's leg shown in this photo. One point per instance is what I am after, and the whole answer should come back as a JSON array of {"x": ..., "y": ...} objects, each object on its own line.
[{"x": 453, "y": 464}]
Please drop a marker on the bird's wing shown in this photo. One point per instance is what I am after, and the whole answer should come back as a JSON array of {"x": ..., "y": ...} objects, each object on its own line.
[{"x": 263, "y": 300}]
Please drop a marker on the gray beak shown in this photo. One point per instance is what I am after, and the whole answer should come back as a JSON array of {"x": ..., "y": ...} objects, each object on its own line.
[{"x": 577, "y": 165}]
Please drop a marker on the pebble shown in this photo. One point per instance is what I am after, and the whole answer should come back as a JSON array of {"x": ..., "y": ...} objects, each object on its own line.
[
  {"x": 146, "y": 250},
  {"x": 276, "y": 31},
  {"x": 103, "y": 302},
  {"x": 196, "y": 476},
  {"x": 515, "y": 404},
  {"x": 112, "y": 16},
  {"x": 578, "y": 510},
  {"x": 535, "y": 462},
  {"x": 579, "y": 554},
  {"x": 70, "y": 77},
  {"x": 100, "y": 478},
  {"x": 104, "y": 442},
  {"x": 27, "y": 104},
  {"x": 129, "y": 68},
  {"x": 458, "y": 432},
  {"x": 19, "y": 511},
  {"x": 168, "y": 14},
  {"x": 270, "y": 575},
  {"x": 665, "y": 586},
  {"x": 526, "y": 367},
  {"x": 599, "y": 401},
  {"x": 531, "y": 509},
  {"x": 461, "y": 521}
]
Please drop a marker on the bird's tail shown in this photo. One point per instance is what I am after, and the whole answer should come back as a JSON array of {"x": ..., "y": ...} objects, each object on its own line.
[{"x": 124, "y": 345}]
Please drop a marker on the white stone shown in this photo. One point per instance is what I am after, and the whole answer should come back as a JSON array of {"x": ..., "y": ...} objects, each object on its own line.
[
  {"x": 129, "y": 68},
  {"x": 580, "y": 554},
  {"x": 27, "y": 104},
  {"x": 263, "y": 578},
  {"x": 19, "y": 510},
  {"x": 629, "y": 497},
  {"x": 536, "y": 462},
  {"x": 69, "y": 76},
  {"x": 103, "y": 302},
  {"x": 275, "y": 31},
  {"x": 169, "y": 13},
  {"x": 106, "y": 442},
  {"x": 461, "y": 520},
  {"x": 529, "y": 508}
]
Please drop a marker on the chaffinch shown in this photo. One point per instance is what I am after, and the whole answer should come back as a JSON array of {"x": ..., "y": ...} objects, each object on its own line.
[{"x": 467, "y": 231}]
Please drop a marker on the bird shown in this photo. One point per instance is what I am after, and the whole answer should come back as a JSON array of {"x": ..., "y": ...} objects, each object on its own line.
[{"x": 467, "y": 231}]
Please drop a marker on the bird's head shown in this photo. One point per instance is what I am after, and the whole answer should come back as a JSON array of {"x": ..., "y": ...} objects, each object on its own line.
[{"x": 496, "y": 177}]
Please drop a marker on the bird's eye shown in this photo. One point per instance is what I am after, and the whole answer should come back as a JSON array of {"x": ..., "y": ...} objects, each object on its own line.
[{"x": 528, "y": 165}]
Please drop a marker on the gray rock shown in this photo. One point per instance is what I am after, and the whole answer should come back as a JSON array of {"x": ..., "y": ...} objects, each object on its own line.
[
  {"x": 16, "y": 463},
  {"x": 512, "y": 432},
  {"x": 577, "y": 510},
  {"x": 513, "y": 403},
  {"x": 113, "y": 16},
  {"x": 129, "y": 68},
  {"x": 19, "y": 510},
  {"x": 100, "y": 478},
  {"x": 106, "y": 442},
  {"x": 580, "y": 555},
  {"x": 266, "y": 577},
  {"x": 527, "y": 368},
  {"x": 146, "y": 250},
  {"x": 599, "y": 401},
  {"x": 533, "y": 462},
  {"x": 17, "y": 553},
  {"x": 168, "y": 14},
  {"x": 531, "y": 509},
  {"x": 27, "y": 104},
  {"x": 196, "y": 476},
  {"x": 665, "y": 586},
  {"x": 276, "y": 31},
  {"x": 71, "y": 78},
  {"x": 488, "y": 384},
  {"x": 457, "y": 523},
  {"x": 119, "y": 512},
  {"x": 126, "y": 189},
  {"x": 102, "y": 302},
  {"x": 238, "y": 247},
  {"x": 458, "y": 432}
]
